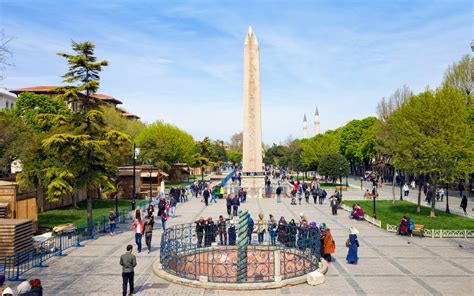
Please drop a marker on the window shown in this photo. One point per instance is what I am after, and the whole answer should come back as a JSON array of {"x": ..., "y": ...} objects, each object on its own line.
[{"x": 7, "y": 104}]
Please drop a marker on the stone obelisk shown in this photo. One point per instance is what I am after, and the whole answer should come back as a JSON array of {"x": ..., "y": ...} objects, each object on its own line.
[{"x": 253, "y": 179}]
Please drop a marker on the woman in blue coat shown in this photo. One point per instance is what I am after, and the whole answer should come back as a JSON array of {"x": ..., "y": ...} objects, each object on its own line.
[{"x": 353, "y": 244}]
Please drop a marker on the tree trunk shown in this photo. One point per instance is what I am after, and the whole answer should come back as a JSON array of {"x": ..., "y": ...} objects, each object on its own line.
[
  {"x": 90, "y": 221},
  {"x": 74, "y": 201},
  {"x": 433, "y": 201},
  {"x": 393, "y": 190},
  {"x": 447, "y": 198},
  {"x": 418, "y": 208}
]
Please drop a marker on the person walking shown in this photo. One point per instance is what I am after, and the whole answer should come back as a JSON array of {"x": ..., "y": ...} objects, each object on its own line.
[
  {"x": 261, "y": 228},
  {"x": 149, "y": 222},
  {"x": 228, "y": 203},
  {"x": 128, "y": 261},
  {"x": 333, "y": 205},
  {"x": 150, "y": 210},
  {"x": 314, "y": 193},
  {"x": 235, "y": 205},
  {"x": 328, "y": 245},
  {"x": 161, "y": 206},
  {"x": 322, "y": 197},
  {"x": 112, "y": 221},
  {"x": 278, "y": 194},
  {"x": 300, "y": 195},
  {"x": 461, "y": 188},
  {"x": 206, "y": 194},
  {"x": 353, "y": 244},
  {"x": 164, "y": 218},
  {"x": 173, "y": 204},
  {"x": 138, "y": 228},
  {"x": 464, "y": 204}
]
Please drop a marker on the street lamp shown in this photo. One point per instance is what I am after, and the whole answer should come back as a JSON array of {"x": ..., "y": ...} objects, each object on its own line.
[
  {"x": 136, "y": 152},
  {"x": 151, "y": 188},
  {"x": 401, "y": 184},
  {"x": 374, "y": 191},
  {"x": 116, "y": 194},
  {"x": 340, "y": 179}
]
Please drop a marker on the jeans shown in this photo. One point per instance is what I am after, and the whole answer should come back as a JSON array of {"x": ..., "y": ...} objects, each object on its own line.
[
  {"x": 260, "y": 237},
  {"x": 213, "y": 198},
  {"x": 278, "y": 198},
  {"x": 148, "y": 237},
  {"x": 112, "y": 227},
  {"x": 229, "y": 210},
  {"x": 127, "y": 277},
  {"x": 163, "y": 223},
  {"x": 173, "y": 211},
  {"x": 138, "y": 241},
  {"x": 236, "y": 209},
  {"x": 273, "y": 237},
  {"x": 223, "y": 238}
]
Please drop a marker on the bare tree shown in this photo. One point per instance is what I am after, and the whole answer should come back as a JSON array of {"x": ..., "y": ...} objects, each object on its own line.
[
  {"x": 387, "y": 106},
  {"x": 461, "y": 77},
  {"x": 5, "y": 52},
  {"x": 236, "y": 142}
]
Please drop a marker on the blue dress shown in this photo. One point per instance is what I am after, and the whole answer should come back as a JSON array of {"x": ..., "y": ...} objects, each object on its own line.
[{"x": 353, "y": 246}]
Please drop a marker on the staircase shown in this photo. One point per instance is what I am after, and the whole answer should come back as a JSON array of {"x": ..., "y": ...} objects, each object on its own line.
[{"x": 3, "y": 210}]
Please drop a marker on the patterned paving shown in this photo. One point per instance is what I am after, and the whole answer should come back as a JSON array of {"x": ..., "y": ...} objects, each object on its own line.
[{"x": 389, "y": 264}]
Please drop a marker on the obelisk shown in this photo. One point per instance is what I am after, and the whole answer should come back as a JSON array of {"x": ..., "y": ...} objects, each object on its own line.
[{"x": 253, "y": 179}]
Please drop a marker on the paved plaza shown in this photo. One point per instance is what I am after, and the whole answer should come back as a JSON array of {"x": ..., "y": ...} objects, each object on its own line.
[{"x": 388, "y": 264}]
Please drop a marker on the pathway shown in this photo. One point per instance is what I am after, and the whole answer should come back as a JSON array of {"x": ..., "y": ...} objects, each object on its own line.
[{"x": 388, "y": 264}]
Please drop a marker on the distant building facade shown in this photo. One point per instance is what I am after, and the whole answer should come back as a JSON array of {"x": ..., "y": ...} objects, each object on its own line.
[{"x": 7, "y": 99}]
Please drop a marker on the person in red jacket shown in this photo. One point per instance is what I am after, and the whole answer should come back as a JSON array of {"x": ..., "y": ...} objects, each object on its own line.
[{"x": 138, "y": 228}]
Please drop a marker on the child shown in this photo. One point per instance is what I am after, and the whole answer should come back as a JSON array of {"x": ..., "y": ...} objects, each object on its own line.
[
  {"x": 164, "y": 218},
  {"x": 411, "y": 226}
]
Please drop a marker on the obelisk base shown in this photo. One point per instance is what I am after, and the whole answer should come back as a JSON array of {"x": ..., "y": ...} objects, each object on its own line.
[{"x": 254, "y": 185}]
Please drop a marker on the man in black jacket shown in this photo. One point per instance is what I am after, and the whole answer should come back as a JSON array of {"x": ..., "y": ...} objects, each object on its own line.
[{"x": 206, "y": 196}]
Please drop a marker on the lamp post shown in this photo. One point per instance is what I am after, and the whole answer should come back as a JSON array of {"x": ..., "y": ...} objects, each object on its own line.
[
  {"x": 151, "y": 188},
  {"x": 374, "y": 186},
  {"x": 116, "y": 194},
  {"x": 136, "y": 152},
  {"x": 340, "y": 179},
  {"x": 401, "y": 184}
]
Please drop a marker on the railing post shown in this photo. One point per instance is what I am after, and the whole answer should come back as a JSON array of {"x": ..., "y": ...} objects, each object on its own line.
[
  {"x": 277, "y": 266},
  {"x": 465, "y": 233},
  {"x": 441, "y": 233},
  {"x": 17, "y": 273},
  {"x": 60, "y": 253}
]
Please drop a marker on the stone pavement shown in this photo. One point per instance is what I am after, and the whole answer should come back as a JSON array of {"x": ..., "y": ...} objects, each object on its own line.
[{"x": 388, "y": 264}]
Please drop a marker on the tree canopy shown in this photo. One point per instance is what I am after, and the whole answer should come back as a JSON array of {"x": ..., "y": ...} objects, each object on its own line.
[
  {"x": 333, "y": 165},
  {"x": 163, "y": 144}
]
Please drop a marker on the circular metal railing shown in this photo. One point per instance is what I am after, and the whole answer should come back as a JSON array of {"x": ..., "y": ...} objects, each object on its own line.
[{"x": 289, "y": 251}]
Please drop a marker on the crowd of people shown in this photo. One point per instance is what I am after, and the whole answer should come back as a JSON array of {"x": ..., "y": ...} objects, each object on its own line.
[{"x": 26, "y": 288}]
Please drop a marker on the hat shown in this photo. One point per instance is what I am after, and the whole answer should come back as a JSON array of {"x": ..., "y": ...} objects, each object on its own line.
[
  {"x": 353, "y": 230},
  {"x": 7, "y": 292},
  {"x": 323, "y": 225}
]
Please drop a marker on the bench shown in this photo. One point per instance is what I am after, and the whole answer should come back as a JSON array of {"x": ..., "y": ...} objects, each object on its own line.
[{"x": 419, "y": 230}]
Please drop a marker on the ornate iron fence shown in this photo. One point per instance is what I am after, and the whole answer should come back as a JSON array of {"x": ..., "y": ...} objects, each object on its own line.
[{"x": 285, "y": 252}]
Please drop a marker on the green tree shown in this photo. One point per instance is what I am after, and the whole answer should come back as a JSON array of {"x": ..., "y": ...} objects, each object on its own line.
[
  {"x": 276, "y": 155},
  {"x": 427, "y": 135},
  {"x": 234, "y": 156},
  {"x": 40, "y": 112},
  {"x": 115, "y": 120},
  {"x": 357, "y": 141},
  {"x": 83, "y": 152},
  {"x": 461, "y": 77},
  {"x": 333, "y": 165},
  {"x": 164, "y": 144}
]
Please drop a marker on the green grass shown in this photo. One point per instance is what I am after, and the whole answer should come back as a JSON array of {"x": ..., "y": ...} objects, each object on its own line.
[
  {"x": 392, "y": 213},
  {"x": 79, "y": 217},
  {"x": 169, "y": 184}
]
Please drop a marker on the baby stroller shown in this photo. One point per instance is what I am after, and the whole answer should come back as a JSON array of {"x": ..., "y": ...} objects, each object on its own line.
[{"x": 293, "y": 197}]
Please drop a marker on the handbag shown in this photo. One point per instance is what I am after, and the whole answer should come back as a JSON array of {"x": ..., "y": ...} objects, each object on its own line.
[{"x": 348, "y": 243}]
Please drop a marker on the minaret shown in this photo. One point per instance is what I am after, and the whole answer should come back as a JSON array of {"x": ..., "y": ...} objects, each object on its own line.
[
  {"x": 253, "y": 178},
  {"x": 316, "y": 122},
  {"x": 305, "y": 127}
]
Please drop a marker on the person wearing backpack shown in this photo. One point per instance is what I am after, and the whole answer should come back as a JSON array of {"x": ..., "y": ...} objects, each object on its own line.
[{"x": 149, "y": 231}]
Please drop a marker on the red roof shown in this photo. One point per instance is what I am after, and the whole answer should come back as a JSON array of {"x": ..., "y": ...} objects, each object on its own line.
[
  {"x": 106, "y": 98},
  {"x": 35, "y": 88}
]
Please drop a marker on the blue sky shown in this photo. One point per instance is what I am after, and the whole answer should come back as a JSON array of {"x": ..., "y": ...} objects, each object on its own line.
[{"x": 182, "y": 61}]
